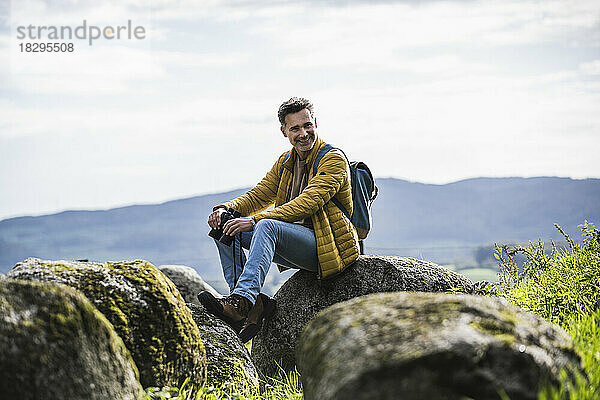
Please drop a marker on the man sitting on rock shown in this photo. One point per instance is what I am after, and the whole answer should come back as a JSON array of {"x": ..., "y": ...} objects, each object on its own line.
[{"x": 304, "y": 230}]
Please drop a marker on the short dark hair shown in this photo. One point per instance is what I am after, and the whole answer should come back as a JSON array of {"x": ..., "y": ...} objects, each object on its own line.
[{"x": 293, "y": 105}]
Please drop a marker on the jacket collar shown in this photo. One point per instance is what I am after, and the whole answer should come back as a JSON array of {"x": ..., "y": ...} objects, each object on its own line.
[{"x": 310, "y": 160}]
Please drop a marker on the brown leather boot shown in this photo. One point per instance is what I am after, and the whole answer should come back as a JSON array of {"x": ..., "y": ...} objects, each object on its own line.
[
  {"x": 263, "y": 308},
  {"x": 236, "y": 307},
  {"x": 232, "y": 309}
]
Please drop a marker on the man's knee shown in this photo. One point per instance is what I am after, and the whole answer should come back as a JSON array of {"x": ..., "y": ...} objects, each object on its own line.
[{"x": 265, "y": 225}]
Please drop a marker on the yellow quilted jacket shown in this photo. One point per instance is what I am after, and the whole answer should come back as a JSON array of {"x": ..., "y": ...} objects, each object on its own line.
[{"x": 337, "y": 240}]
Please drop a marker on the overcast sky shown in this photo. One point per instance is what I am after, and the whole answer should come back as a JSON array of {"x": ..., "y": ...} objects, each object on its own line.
[{"x": 428, "y": 91}]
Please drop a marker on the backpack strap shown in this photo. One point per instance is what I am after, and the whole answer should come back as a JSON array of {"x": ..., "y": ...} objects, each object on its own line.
[
  {"x": 324, "y": 150},
  {"x": 284, "y": 160},
  {"x": 341, "y": 207}
]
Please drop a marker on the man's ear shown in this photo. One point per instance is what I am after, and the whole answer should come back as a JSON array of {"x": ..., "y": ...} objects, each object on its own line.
[{"x": 283, "y": 131}]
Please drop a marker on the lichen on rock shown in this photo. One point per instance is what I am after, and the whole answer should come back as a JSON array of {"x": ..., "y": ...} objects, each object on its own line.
[
  {"x": 145, "y": 308},
  {"x": 228, "y": 360},
  {"x": 430, "y": 346},
  {"x": 54, "y": 344}
]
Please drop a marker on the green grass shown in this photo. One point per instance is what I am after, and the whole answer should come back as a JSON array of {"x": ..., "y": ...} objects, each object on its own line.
[
  {"x": 564, "y": 288},
  {"x": 283, "y": 387},
  {"x": 586, "y": 338},
  {"x": 558, "y": 287}
]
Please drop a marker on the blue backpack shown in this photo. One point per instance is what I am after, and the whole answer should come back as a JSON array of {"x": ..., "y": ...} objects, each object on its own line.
[{"x": 364, "y": 192}]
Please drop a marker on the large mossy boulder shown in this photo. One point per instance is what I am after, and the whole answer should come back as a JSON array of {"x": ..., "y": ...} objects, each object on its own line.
[
  {"x": 188, "y": 282},
  {"x": 228, "y": 360},
  {"x": 303, "y": 296},
  {"x": 430, "y": 346},
  {"x": 145, "y": 309},
  {"x": 55, "y": 345}
]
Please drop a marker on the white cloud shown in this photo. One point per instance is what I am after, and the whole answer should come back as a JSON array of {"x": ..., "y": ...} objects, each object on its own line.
[
  {"x": 40, "y": 12},
  {"x": 160, "y": 127},
  {"x": 4, "y": 62},
  {"x": 178, "y": 59},
  {"x": 4, "y": 43},
  {"x": 591, "y": 68},
  {"x": 379, "y": 33},
  {"x": 378, "y": 59}
]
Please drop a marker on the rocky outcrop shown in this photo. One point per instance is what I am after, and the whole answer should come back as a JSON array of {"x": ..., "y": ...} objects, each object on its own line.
[
  {"x": 55, "y": 345},
  {"x": 227, "y": 358},
  {"x": 187, "y": 281},
  {"x": 430, "y": 346},
  {"x": 145, "y": 309},
  {"x": 303, "y": 296}
]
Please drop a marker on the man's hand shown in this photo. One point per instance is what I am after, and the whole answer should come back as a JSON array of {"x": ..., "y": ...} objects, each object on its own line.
[
  {"x": 236, "y": 225},
  {"x": 214, "y": 219}
]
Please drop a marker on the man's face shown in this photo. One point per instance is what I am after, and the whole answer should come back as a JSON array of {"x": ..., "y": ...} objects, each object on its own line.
[{"x": 301, "y": 130}]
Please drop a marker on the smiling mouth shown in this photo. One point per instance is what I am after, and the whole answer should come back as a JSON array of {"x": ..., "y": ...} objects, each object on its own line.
[{"x": 304, "y": 141}]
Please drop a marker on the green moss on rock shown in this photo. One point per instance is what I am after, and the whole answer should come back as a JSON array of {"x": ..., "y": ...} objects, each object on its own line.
[
  {"x": 54, "y": 344},
  {"x": 145, "y": 309},
  {"x": 493, "y": 327}
]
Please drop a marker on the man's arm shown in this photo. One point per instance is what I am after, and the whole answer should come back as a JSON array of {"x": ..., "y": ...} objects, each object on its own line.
[
  {"x": 260, "y": 196},
  {"x": 331, "y": 173}
]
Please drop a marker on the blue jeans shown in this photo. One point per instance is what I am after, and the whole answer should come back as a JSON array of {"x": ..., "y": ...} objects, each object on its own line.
[{"x": 285, "y": 243}]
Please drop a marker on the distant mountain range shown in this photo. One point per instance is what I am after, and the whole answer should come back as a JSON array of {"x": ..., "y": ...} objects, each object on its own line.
[{"x": 442, "y": 223}]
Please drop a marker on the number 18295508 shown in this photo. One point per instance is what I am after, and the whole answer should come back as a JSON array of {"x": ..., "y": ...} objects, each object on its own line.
[{"x": 46, "y": 47}]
